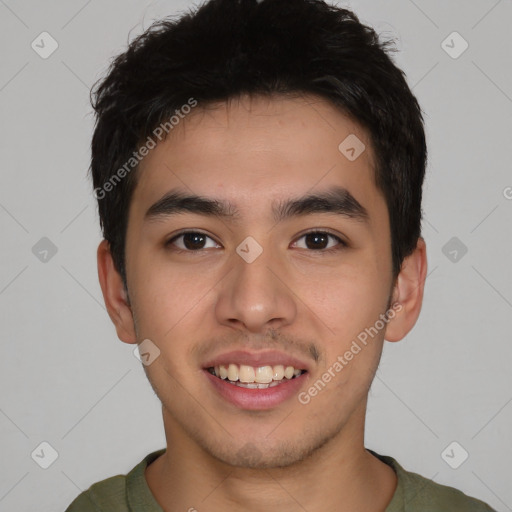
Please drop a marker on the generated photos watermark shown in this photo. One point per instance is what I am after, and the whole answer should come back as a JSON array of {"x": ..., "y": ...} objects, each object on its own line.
[
  {"x": 137, "y": 156},
  {"x": 342, "y": 360}
]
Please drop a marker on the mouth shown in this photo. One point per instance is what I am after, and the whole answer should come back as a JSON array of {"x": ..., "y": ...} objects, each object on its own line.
[
  {"x": 256, "y": 381},
  {"x": 260, "y": 377}
]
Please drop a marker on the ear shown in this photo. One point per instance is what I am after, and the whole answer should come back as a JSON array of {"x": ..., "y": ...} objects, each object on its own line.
[
  {"x": 114, "y": 295},
  {"x": 408, "y": 292}
]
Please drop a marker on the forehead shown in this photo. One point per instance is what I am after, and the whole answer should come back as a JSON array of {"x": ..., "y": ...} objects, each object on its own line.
[{"x": 254, "y": 150}]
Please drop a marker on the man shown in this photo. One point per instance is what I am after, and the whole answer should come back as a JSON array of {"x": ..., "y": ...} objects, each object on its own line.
[{"x": 258, "y": 168}]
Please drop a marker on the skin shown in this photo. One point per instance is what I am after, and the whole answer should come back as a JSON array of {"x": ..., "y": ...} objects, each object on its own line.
[{"x": 254, "y": 151}]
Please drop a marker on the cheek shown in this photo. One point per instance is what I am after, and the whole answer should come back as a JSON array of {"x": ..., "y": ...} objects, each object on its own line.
[
  {"x": 166, "y": 297},
  {"x": 347, "y": 298}
]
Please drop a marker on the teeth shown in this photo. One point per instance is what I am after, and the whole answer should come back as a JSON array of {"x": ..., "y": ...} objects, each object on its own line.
[
  {"x": 222, "y": 373},
  {"x": 263, "y": 374},
  {"x": 246, "y": 373},
  {"x": 255, "y": 377},
  {"x": 233, "y": 372},
  {"x": 288, "y": 372},
  {"x": 278, "y": 372},
  {"x": 255, "y": 385}
]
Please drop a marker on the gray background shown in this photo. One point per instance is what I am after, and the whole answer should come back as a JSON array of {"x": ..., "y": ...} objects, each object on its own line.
[{"x": 67, "y": 380}]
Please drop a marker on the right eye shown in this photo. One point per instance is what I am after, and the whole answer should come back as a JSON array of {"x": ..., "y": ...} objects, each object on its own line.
[{"x": 191, "y": 241}]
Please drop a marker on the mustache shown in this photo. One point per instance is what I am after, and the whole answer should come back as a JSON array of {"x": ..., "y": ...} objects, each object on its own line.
[{"x": 271, "y": 340}]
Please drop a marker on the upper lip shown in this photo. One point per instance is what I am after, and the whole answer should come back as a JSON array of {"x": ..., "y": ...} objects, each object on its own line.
[{"x": 257, "y": 359}]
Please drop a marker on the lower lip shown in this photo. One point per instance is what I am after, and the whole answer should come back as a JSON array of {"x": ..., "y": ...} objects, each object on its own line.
[{"x": 256, "y": 399}]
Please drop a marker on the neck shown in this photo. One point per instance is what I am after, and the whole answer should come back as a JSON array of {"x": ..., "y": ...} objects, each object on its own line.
[{"x": 341, "y": 475}]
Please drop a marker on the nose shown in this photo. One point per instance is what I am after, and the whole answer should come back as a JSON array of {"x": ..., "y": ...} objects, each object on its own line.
[{"x": 255, "y": 295}]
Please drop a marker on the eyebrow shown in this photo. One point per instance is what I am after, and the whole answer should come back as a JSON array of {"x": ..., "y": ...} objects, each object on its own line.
[{"x": 336, "y": 200}]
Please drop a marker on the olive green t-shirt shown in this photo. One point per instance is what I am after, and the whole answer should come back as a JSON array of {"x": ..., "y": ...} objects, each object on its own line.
[{"x": 414, "y": 493}]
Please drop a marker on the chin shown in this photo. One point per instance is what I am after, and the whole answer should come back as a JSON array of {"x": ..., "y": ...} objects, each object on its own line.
[
  {"x": 250, "y": 457},
  {"x": 263, "y": 455}
]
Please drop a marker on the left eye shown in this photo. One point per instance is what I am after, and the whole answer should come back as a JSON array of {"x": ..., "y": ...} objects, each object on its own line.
[{"x": 319, "y": 240}]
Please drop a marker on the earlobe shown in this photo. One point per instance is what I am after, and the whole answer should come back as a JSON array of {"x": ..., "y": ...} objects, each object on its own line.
[
  {"x": 114, "y": 295},
  {"x": 408, "y": 291}
]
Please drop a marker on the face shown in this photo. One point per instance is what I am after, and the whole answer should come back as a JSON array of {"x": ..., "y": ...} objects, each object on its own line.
[{"x": 264, "y": 277}]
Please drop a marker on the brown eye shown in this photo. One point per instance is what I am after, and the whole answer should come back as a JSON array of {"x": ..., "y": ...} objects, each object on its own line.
[
  {"x": 320, "y": 240},
  {"x": 192, "y": 241}
]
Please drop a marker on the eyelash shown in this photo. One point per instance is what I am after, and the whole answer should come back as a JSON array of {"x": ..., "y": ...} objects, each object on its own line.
[{"x": 341, "y": 244}]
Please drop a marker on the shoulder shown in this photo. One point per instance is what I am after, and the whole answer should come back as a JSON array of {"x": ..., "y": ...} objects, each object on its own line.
[
  {"x": 419, "y": 494},
  {"x": 120, "y": 492},
  {"x": 439, "y": 497},
  {"x": 108, "y": 494}
]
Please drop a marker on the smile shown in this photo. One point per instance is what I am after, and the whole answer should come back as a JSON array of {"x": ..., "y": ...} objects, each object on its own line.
[{"x": 250, "y": 377}]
